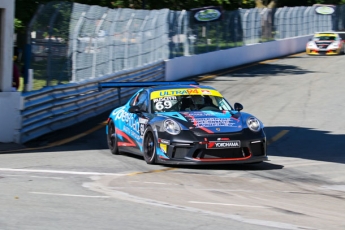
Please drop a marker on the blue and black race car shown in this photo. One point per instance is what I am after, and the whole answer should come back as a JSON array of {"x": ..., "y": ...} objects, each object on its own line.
[{"x": 184, "y": 123}]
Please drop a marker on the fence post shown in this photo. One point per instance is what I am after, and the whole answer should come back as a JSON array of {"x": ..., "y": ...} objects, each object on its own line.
[
  {"x": 111, "y": 40},
  {"x": 28, "y": 48},
  {"x": 75, "y": 46},
  {"x": 140, "y": 52},
  {"x": 307, "y": 21},
  {"x": 154, "y": 40},
  {"x": 277, "y": 24},
  {"x": 127, "y": 40},
  {"x": 185, "y": 29},
  {"x": 94, "y": 59},
  {"x": 179, "y": 32},
  {"x": 245, "y": 27},
  {"x": 50, "y": 32}
]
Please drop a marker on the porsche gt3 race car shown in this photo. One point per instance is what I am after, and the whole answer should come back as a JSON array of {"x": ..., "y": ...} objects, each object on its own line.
[
  {"x": 326, "y": 43},
  {"x": 184, "y": 123}
]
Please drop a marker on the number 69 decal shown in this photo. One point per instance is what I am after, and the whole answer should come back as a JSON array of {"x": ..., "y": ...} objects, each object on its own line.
[{"x": 160, "y": 105}]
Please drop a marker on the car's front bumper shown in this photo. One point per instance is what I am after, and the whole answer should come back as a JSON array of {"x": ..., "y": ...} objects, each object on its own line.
[
  {"x": 323, "y": 52},
  {"x": 188, "y": 148}
]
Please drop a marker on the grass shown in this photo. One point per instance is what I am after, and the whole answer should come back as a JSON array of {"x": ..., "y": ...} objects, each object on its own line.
[
  {"x": 39, "y": 84},
  {"x": 58, "y": 73}
]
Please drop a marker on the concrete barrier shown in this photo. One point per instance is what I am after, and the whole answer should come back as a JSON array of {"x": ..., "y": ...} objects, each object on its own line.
[
  {"x": 10, "y": 118},
  {"x": 9, "y": 101},
  {"x": 188, "y": 66},
  {"x": 6, "y": 44}
]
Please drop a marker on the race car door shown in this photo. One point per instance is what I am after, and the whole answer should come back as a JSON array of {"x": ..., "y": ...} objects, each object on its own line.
[{"x": 140, "y": 119}]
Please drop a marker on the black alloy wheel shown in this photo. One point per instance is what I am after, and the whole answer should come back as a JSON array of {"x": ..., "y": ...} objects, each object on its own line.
[
  {"x": 112, "y": 139},
  {"x": 149, "y": 148}
]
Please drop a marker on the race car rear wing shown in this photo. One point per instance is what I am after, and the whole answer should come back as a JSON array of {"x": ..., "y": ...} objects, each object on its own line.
[
  {"x": 142, "y": 84},
  {"x": 119, "y": 85}
]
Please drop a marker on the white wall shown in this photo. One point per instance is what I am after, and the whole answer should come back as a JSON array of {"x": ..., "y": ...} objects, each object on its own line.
[
  {"x": 9, "y": 101},
  {"x": 188, "y": 66},
  {"x": 10, "y": 119},
  {"x": 6, "y": 44}
]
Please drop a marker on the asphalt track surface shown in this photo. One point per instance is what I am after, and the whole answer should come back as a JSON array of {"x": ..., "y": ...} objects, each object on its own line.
[{"x": 77, "y": 184}]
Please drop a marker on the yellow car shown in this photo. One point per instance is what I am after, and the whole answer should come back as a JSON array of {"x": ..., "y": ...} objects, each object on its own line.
[{"x": 326, "y": 43}]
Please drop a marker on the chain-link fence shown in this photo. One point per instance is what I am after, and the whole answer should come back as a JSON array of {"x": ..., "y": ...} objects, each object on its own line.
[
  {"x": 105, "y": 41},
  {"x": 48, "y": 35},
  {"x": 73, "y": 42}
]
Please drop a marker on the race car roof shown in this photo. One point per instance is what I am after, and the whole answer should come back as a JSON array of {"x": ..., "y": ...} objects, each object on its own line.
[{"x": 341, "y": 34}]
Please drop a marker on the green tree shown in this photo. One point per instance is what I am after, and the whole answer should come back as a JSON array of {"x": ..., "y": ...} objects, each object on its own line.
[{"x": 25, "y": 9}]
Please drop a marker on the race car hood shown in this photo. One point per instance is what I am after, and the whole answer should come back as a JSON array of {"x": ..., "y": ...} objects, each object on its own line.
[
  {"x": 323, "y": 44},
  {"x": 209, "y": 121}
]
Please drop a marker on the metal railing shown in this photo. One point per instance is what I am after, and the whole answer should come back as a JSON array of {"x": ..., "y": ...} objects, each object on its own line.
[{"x": 57, "y": 107}]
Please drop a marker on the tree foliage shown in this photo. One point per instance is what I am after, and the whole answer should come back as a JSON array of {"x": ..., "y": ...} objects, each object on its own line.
[{"x": 25, "y": 9}]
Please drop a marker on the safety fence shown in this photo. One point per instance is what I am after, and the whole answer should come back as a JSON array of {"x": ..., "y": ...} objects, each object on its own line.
[
  {"x": 57, "y": 107},
  {"x": 105, "y": 41},
  {"x": 71, "y": 42},
  {"x": 76, "y": 46}
]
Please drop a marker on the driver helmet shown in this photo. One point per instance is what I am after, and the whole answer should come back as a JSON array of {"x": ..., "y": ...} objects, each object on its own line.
[{"x": 198, "y": 100}]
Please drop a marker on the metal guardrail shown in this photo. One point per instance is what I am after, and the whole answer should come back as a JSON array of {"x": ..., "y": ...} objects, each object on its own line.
[{"x": 60, "y": 106}]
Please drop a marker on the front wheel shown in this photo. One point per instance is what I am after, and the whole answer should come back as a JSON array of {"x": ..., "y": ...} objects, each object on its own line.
[
  {"x": 149, "y": 148},
  {"x": 112, "y": 139}
]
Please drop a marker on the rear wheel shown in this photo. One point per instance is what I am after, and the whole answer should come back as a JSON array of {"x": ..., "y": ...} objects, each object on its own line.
[
  {"x": 149, "y": 148},
  {"x": 112, "y": 139}
]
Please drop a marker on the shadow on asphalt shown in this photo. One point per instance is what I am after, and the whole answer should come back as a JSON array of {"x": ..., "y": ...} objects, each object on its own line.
[
  {"x": 253, "y": 70},
  {"x": 307, "y": 143},
  {"x": 298, "y": 142},
  {"x": 270, "y": 69},
  {"x": 264, "y": 166}
]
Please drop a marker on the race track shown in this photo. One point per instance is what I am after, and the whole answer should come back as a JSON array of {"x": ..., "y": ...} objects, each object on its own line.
[{"x": 300, "y": 99}]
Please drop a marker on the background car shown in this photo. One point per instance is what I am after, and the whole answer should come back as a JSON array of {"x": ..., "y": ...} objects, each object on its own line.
[
  {"x": 184, "y": 123},
  {"x": 326, "y": 43}
]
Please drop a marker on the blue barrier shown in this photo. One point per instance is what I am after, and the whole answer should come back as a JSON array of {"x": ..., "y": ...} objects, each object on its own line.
[{"x": 57, "y": 107}]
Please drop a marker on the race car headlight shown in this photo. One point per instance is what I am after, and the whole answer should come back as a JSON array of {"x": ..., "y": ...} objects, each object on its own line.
[
  {"x": 171, "y": 126},
  {"x": 253, "y": 124},
  {"x": 335, "y": 44},
  {"x": 311, "y": 45}
]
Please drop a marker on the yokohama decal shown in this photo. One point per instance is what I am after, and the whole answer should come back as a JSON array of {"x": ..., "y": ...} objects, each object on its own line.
[{"x": 223, "y": 144}]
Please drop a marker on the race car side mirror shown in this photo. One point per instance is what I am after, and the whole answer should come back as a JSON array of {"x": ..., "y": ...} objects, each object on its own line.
[
  {"x": 238, "y": 106},
  {"x": 134, "y": 109}
]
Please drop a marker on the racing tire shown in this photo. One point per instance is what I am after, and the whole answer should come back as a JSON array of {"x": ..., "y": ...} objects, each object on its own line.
[
  {"x": 149, "y": 147},
  {"x": 112, "y": 139}
]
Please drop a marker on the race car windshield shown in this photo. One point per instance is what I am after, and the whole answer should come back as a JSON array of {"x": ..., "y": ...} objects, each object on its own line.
[
  {"x": 325, "y": 38},
  {"x": 189, "y": 103}
]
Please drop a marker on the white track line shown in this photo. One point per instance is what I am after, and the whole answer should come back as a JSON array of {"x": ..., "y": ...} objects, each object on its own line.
[
  {"x": 224, "y": 204},
  {"x": 60, "y": 172},
  {"x": 72, "y": 195},
  {"x": 43, "y": 177}
]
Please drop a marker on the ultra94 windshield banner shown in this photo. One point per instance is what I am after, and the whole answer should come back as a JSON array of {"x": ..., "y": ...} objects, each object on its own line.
[{"x": 206, "y": 14}]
